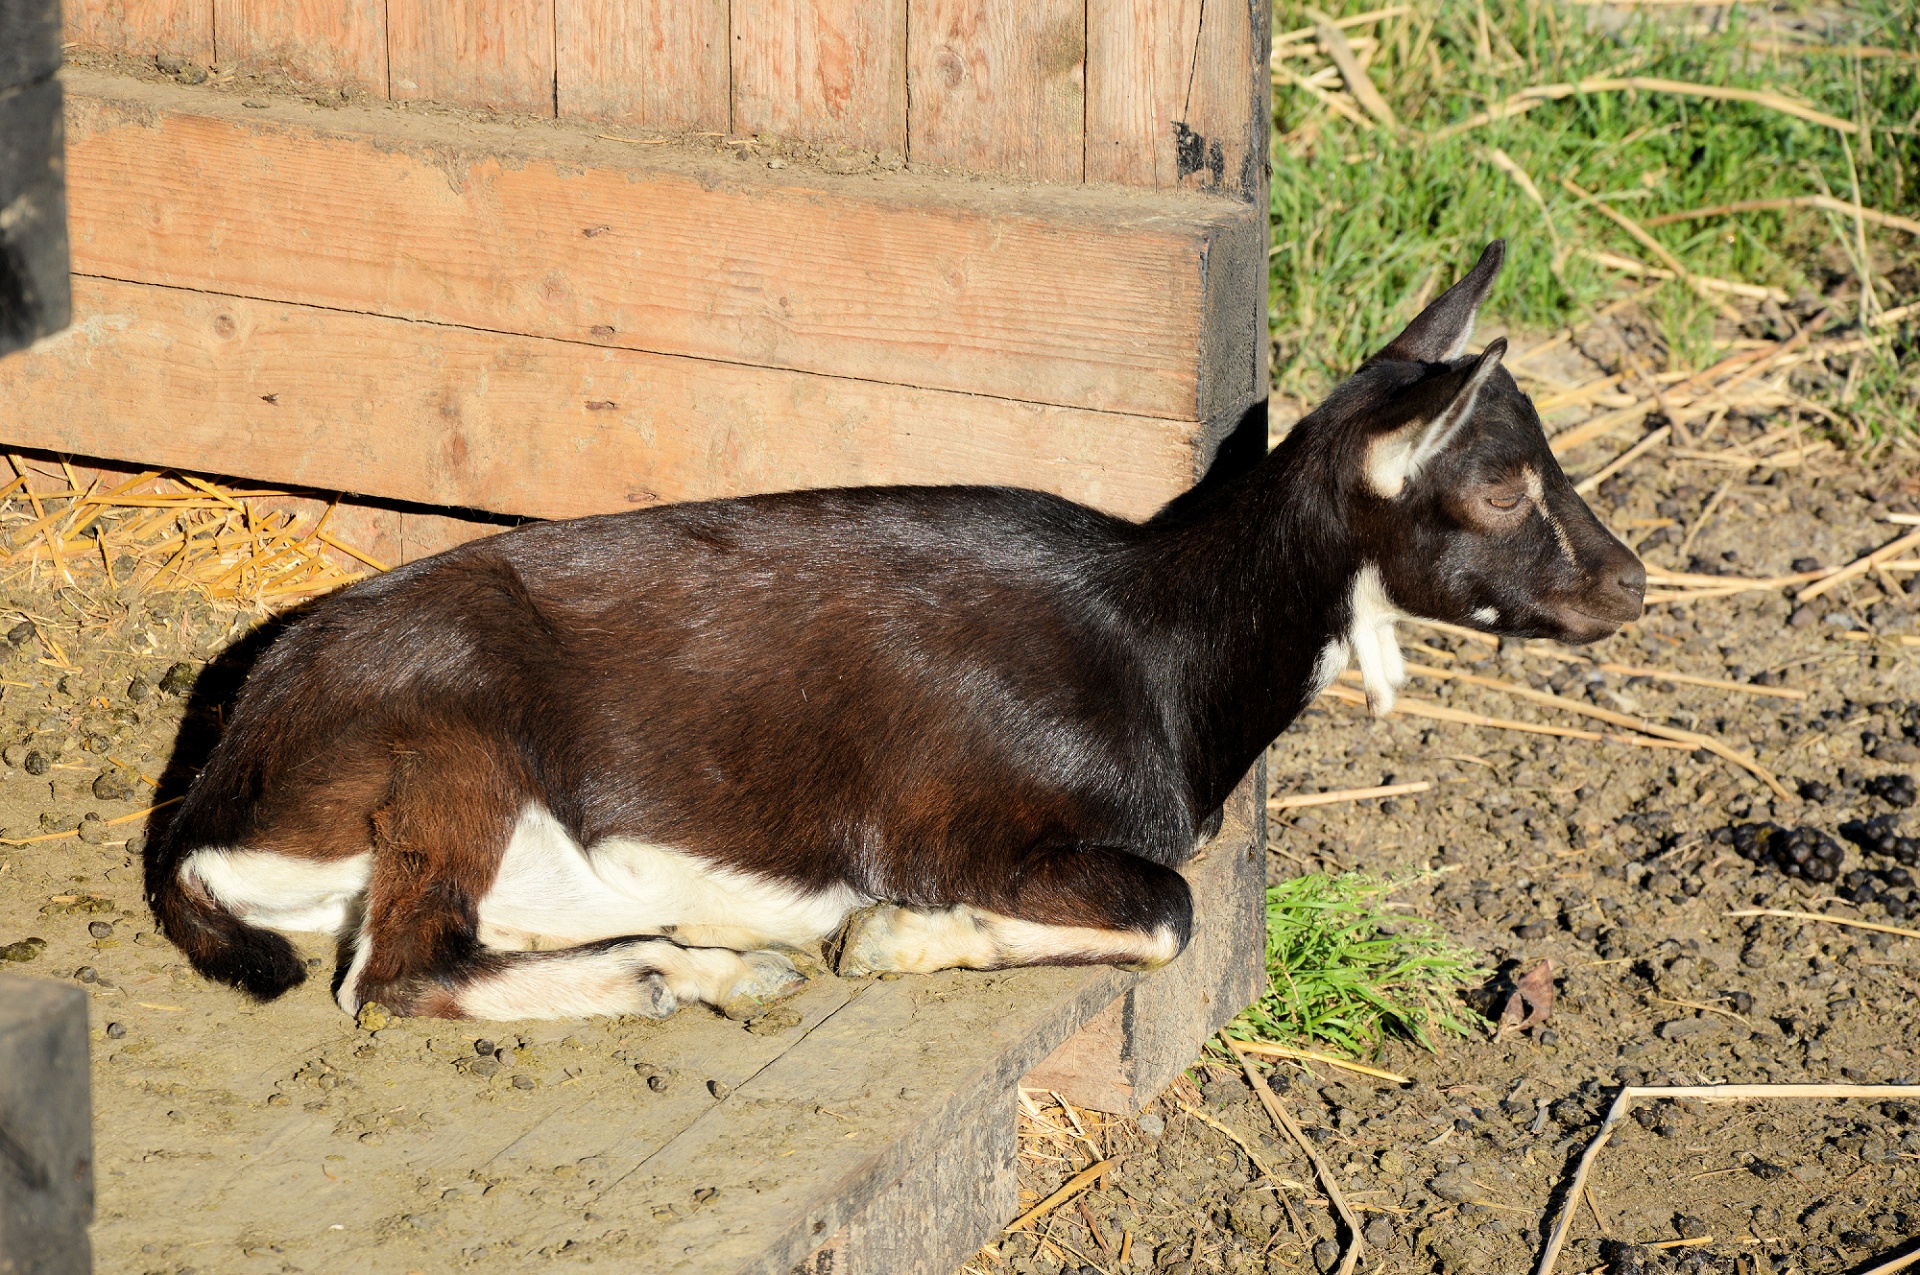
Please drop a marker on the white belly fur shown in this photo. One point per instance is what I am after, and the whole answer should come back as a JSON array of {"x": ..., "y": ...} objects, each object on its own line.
[
  {"x": 551, "y": 893},
  {"x": 279, "y": 892}
]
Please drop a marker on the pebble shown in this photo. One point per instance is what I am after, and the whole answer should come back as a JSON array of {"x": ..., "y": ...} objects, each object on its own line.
[
  {"x": 720, "y": 1089},
  {"x": 87, "y": 974},
  {"x": 524, "y": 1081},
  {"x": 100, "y": 929},
  {"x": 1151, "y": 1125},
  {"x": 116, "y": 1031},
  {"x": 180, "y": 677},
  {"x": 657, "y": 1082}
]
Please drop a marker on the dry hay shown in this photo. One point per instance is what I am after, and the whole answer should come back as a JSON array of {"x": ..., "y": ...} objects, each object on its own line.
[{"x": 164, "y": 531}]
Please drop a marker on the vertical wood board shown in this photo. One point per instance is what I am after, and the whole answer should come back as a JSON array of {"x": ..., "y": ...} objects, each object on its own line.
[
  {"x": 822, "y": 71},
  {"x": 484, "y": 54},
  {"x": 143, "y": 27},
  {"x": 46, "y": 1140},
  {"x": 35, "y": 291},
  {"x": 326, "y": 42},
  {"x": 1177, "y": 94},
  {"x": 649, "y": 64},
  {"x": 998, "y": 85}
]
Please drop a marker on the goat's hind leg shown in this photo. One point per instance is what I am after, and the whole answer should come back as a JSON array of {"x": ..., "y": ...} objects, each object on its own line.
[
  {"x": 650, "y": 977},
  {"x": 1089, "y": 905}
]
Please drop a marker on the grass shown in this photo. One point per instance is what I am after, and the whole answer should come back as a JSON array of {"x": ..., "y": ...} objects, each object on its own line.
[
  {"x": 1368, "y": 223},
  {"x": 1345, "y": 969}
]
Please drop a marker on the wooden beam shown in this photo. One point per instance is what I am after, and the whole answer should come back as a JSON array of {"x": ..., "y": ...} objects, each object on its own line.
[
  {"x": 456, "y": 417},
  {"x": 822, "y": 71},
  {"x": 46, "y": 1139},
  {"x": 999, "y": 88},
  {"x": 1063, "y": 295}
]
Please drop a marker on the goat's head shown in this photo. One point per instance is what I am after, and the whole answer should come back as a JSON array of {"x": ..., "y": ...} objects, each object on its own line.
[{"x": 1459, "y": 510}]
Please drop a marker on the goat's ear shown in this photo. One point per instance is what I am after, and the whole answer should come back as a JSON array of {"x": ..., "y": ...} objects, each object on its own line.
[
  {"x": 1395, "y": 457},
  {"x": 1442, "y": 330}
]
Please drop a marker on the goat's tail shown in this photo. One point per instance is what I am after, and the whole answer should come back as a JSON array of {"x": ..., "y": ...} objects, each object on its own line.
[{"x": 219, "y": 944}]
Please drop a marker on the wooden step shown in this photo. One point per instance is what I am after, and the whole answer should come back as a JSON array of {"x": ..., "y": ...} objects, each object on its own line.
[
  {"x": 527, "y": 318},
  {"x": 875, "y": 1136}
]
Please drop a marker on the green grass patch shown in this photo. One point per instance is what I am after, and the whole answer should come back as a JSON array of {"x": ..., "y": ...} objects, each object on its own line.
[
  {"x": 1345, "y": 968},
  {"x": 1368, "y": 222}
]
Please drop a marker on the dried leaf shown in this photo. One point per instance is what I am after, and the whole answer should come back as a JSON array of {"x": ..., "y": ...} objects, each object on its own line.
[{"x": 1531, "y": 1001}]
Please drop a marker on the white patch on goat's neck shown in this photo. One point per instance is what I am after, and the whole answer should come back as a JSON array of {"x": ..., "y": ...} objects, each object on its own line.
[
  {"x": 1488, "y": 616},
  {"x": 1537, "y": 493},
  {"x": 1375, "y": 647},
  {"x": 1333, "y": 658}
]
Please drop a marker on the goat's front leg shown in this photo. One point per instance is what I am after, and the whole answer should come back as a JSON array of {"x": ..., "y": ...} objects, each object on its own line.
[{"x": 1086, "y": 905}]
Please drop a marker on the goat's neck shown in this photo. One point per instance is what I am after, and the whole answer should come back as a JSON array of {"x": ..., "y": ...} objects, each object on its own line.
[{"x": 1266, "y": 599}]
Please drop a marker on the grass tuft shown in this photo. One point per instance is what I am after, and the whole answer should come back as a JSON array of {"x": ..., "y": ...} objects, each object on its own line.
[
  {"x": 1343, "y": 968},
  {"x": 1369, "y": 222}
]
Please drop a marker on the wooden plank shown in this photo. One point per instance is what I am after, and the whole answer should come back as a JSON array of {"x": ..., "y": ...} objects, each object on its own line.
[
  {"x": 647, "y": 64},
  {"x": 336, "y": 43},
  {"x": 999, "y": 87},
  {"x": 46, "y": 1138},
  {"x": 143, "y": 27},
  {"x": 1071, "y": 296},
  {"x": 495, "y": 57},
  {"x": 34, "y": 291},
  {"x": 822, "y": 71},
  {"x": 1177, "y": 94},
  {"x": 454, "y": 417}
]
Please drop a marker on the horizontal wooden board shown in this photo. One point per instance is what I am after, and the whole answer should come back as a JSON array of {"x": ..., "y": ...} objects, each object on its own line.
[
  {"x": 455, "y": 417},
  {"x": 1068, "y": 296}
]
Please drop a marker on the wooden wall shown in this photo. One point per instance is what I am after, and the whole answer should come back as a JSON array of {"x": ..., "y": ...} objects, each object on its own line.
[{"x": 1158, "y": 93}]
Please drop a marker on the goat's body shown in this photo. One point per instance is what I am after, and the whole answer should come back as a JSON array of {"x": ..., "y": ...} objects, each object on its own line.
[
  {"x": 620, "y": 763},
  {"x": 731, "y": 724}
]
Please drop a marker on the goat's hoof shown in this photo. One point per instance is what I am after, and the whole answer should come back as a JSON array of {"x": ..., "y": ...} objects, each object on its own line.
[
  {"x": 656, "y": 999},
  {"x": 806, "y": 962},
  {"x": 770, "y": 977},
  {"x": 867, "y": 942}
]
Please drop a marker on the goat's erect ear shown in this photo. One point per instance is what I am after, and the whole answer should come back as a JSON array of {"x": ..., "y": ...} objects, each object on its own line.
[
  {"x": 1442, "y": 330},
  {"x": 1395, "y": 457}
]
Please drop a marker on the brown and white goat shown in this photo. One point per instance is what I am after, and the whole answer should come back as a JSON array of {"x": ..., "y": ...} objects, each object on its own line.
[{"x": 623, "y": 763}]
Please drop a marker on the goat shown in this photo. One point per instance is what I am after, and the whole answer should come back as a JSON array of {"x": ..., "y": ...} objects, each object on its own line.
[{"x": 622, "y": 763}]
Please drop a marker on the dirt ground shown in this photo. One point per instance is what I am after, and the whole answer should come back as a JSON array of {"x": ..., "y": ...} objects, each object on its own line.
[{"x": 1611, "y": 861}]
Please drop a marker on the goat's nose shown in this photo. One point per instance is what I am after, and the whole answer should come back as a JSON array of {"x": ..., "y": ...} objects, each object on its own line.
[{"x": 1633, "y": 576}]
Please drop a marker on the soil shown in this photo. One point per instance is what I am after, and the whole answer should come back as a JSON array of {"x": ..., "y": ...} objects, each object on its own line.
[
  {"x": 1610, "y": 861},
  {"x": 1613, "y": 862}
]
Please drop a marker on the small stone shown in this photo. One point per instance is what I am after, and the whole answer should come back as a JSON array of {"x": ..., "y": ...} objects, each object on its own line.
[
  {"x": 170, "y": 63},
  {"x": 1326, "y": 1255},
  {"x": 1690, "y": 1228},
  {"x": 21, "y": 633},
  {"x": 1378, "y": 1233},
  {"x": 1454, "y": 1186},
  {"x": 87, "y": 974},
  {"x": 100, "y": 929},
  {"x": 484, "y": 1048},
  {"x": 116, "y": 1031},
  {"x": 524, "y": 1081},
  {"x": 178, "y": 679},
  {"x": 279, "y": 1100},
  {"x": 720, "y": 1089},
  {"x": 14, "y": 754},
  {"x": 1392, "y": 1163},
  {"x": 139, "y": 690},
  {"x": 35, "y": 763},
  {"x": 657, "y": 1082},
  {"x": 93, "y": 829},
  {"x": 113, "y": 785},
  {"x": 372, "y": 1017},
  {"x": 1150, "y": 1124}
]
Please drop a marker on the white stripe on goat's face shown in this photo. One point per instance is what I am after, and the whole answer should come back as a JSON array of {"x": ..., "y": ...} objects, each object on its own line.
[{"x": 1537, "y": 493}]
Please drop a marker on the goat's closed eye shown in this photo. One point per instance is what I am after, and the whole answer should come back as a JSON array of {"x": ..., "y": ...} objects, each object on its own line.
[{"x": 1503, "y": 502}]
